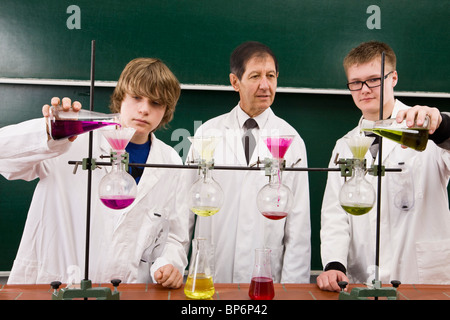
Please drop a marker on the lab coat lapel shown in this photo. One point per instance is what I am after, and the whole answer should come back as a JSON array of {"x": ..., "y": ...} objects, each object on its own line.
[
  {"x": 233, "y": 138},
  {"x": 151, "y": 175}
]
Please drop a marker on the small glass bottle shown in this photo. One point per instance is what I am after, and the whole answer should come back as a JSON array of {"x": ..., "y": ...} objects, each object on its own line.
[
  {"x": 199, "y": 283},
  {"x": 357, "y": 195},
  {"x": 404, "y": 198},
  {"x": 261, "y": 285}
]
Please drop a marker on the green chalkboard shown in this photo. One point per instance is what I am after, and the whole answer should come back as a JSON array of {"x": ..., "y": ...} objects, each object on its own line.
[{"x": 195, "y": 37}]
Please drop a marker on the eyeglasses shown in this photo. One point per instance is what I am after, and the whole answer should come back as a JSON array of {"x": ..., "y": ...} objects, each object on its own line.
[{"x": 370, "y": 83}]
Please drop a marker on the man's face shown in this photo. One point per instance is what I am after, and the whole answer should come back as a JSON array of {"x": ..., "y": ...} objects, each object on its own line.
[
  {"x": 368, "y": 99},
  {"x": 257, "y": 86}
]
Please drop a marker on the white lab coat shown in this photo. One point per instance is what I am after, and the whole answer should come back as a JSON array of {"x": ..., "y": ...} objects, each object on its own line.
[
  {"x": 414, "y": 244},
  {"x": 238, "y": 228},
  {"x": 53, "y": 241}
]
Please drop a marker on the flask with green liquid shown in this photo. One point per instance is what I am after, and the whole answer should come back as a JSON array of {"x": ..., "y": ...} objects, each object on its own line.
[{"x": 415, "y": 137}]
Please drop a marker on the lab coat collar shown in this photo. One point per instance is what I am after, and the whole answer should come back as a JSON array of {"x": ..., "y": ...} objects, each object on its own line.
[
  {"x": 151, "y": 176},
  {"x": 233, "y": 123}
]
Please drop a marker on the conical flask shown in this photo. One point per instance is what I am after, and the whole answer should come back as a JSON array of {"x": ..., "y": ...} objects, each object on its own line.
[
  {"x": 415, "y": 137},
  {"x": 199, "y": 283},
  {"x": 66, "y": 124},
  {"x": 274, "y": 200},
  {"x": 118, "y": 189},
  {"x": 357, "y": 195},
  {"x": 261, "y": 285},
  {"x": 205, "y": 195}
]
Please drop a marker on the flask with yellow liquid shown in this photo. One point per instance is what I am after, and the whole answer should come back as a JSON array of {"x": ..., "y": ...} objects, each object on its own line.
[{"x": 199, "y": 283}]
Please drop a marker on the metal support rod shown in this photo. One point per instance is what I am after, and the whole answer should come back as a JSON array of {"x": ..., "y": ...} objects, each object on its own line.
[
  {"x": 195, "y": 166},
  {"x": 89, "y": 185},
  {"x": 380, "y": 161}
]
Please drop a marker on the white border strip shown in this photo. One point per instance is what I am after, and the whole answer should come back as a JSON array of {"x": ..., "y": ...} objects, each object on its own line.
[{"x": 207, "y": 87}]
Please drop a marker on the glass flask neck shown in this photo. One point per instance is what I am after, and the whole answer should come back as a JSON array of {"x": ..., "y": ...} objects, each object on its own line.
[
  {"x": 119, "y": 160},
  {"x": 262, "y": 263},
  {"x": 275, "y": 176},
  {"x": 359, "y": 168}
]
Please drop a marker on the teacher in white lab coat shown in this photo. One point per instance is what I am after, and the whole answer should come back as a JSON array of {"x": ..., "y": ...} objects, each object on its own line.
[
  {"x": 414, "y": 237},
  {"x": 239, "y": 228},
  {"x": 144, "y": 242}
]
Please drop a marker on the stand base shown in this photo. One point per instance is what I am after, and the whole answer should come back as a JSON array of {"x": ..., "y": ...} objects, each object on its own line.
[
  {"x": 85, "y": 291},
  {"x": 365, "y": 293}
]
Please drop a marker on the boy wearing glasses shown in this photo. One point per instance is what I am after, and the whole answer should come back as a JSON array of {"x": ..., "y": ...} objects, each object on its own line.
[{"x": 414, "y": 243}]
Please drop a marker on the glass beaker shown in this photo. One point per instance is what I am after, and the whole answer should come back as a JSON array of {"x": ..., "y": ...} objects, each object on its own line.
[
  {"x": 414, "y": 137},
  {"x": 66, "y": 124},
  {"x": 357, "y": 195},
  {"x": 199, "y": 283},
  {"x": 118, "y": 189},
  {"x": 261, "y": 285}
]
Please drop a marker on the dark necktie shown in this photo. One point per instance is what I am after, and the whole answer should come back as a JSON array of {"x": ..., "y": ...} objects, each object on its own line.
[
  {"x": 248, "y": 139},
  {"x": 375, "y": 144}
]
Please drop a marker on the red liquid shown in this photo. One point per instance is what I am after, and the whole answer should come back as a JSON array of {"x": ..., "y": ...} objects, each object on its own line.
[
  {"x": 261, "y": 288},
  {"x": 274, "y": 215},
  {"x": 61, "y": 129},
  {"x": 117, "y": 202},
  {"x": 278, "y": 146}
]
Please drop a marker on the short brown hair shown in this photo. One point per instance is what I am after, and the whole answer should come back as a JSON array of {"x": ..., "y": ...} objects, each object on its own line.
[
  {"x": 367, "y": 51},
  {"x": 244, "y": 52},
  {"x": 149, "y": 78}
]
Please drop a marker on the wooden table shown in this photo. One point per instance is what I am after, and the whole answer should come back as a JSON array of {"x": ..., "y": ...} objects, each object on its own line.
[{"x": 225, "y": 292}]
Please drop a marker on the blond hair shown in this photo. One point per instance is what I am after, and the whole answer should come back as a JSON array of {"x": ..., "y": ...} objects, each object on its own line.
[
  {"x": 149, "y": 78},
  {"x": 367, "y": 51}
]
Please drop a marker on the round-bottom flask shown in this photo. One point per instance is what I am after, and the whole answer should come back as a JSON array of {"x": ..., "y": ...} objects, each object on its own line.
[
  {"x": 117, "y": 189},
  {"x": 206, "y": 195},
  {"x": 274, "y": 200},
  {"x": 357, "y": 195}
]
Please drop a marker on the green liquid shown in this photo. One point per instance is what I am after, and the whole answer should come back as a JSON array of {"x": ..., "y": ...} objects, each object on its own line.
[
  {"x": 415, "y": 138},
  {"x": 205, "y": 211},
  {"x": 356, "y": 210}
]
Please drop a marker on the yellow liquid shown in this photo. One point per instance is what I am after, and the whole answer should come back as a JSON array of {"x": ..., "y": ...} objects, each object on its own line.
[
  {"x": 356, "y": 210},
  {"x": 202, "y": 287},
  {"x": 415, "y": 138},
  {"x": 205, "y": 211}
]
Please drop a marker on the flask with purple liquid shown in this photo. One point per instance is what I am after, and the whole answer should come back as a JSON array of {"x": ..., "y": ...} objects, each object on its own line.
[
  {"x": 118, "y": 189},
  {"x": 66, "y": 124}
]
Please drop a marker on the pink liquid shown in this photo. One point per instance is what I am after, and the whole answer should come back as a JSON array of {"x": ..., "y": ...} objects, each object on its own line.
[
  {"x": 273, "y": 215},
  {"x": 261, "y": 288},
  {"x": 278, "y": 146},
  {"x": 118, "y": 144},
  {"x": 117, "y": 202},
  {"x": 61, "y": 129}
]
